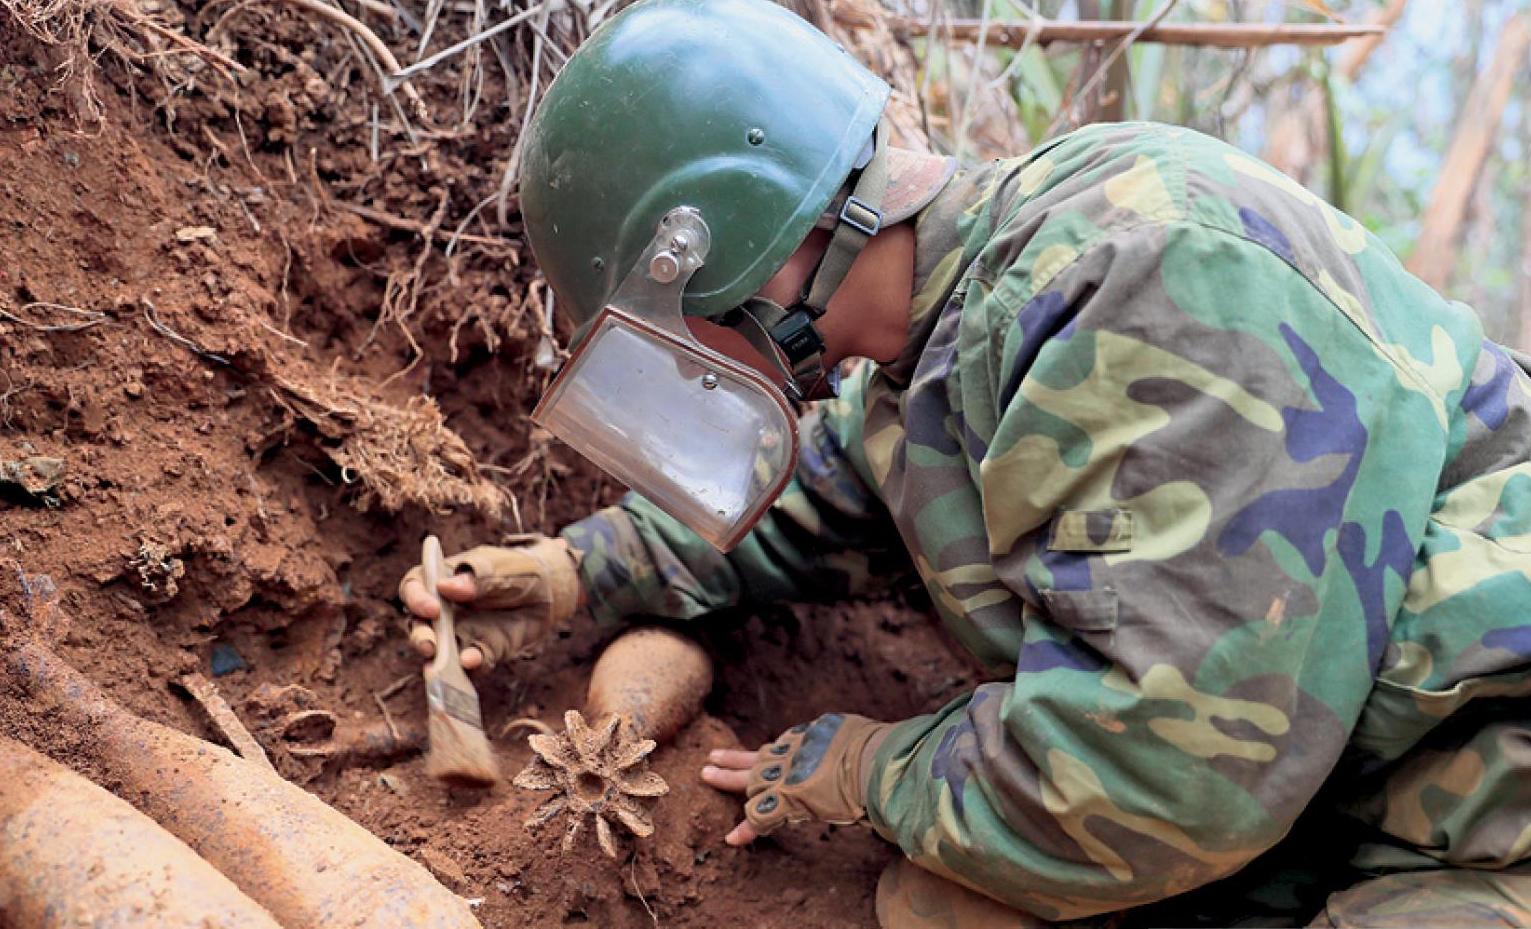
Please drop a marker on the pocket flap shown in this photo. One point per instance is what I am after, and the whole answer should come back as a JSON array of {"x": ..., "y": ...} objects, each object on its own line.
[{"x": 1092, "y": 531}]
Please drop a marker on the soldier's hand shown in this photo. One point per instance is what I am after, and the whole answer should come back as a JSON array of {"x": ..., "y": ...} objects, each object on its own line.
[
  {"x": 815, "y": 771},
  {"x": 518, "y": 594}
]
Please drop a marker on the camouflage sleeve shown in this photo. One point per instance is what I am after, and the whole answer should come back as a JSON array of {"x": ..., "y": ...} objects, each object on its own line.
[
  {"x": 827, "y": 536},
  {"x": 1205, "y": 485},
  {"x": 1456, "y": 779}
]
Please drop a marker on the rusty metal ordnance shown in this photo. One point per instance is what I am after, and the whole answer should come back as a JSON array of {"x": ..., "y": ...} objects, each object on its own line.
[
  {"x": 652, "y": 678},
  {"x": 73, "y": 855},
  {"x": 645, "y": 688},
  {"x": 308, "y": 864}
]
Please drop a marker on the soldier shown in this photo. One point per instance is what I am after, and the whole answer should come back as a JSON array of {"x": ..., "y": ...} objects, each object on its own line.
[{"x": 1236, "y": 511}]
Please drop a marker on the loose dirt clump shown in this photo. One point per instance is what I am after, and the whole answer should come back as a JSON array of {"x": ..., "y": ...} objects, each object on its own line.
[{"x": 260, "y": 332}]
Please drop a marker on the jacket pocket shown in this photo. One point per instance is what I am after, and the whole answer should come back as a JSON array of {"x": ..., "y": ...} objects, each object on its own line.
[{"x": 1079, "y": 538}]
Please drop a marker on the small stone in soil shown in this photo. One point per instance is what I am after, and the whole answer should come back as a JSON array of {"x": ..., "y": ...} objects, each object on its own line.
[
  {"x": 447, "y": 870},
  {"x": 36, "y": 476},
  {"x": 225, "y": 660}
]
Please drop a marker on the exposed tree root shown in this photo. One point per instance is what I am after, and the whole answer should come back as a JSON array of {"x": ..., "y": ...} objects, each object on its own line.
[
  {"x": 80, "y": 31},
  {"x": 397, "y": 455}
]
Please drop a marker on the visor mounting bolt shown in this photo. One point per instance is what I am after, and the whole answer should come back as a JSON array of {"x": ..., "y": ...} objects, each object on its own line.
[
  {"x": 680, "y": 243},
  {"x": 709, "y": 381},
  {"x": 665, "y": 267},
  {"x": 755, "y": 136}
]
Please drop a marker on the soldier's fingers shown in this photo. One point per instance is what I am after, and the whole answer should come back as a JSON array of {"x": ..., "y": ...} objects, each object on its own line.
[
  {"x": 423, "y": 638},
  {"x": 417, "y": 601},
  {"x": 472, "y": 658},
  {"x": 742, "y": 834},
  {"x": 734, "y": 758},
  {"x": 729, "y": 779},
  {"x": 459, "y": 588}
]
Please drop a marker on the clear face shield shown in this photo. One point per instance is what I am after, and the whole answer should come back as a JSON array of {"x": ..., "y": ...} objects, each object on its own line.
[{"x": 708, "y": 439}]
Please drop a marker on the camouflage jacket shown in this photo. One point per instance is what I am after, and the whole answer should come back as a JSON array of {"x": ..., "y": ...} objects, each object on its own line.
[{"x": 1233, "y": 506}]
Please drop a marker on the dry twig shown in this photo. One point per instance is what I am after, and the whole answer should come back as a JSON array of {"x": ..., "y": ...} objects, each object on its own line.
[
  {"x": 399, "y": 75},
  {"x": 1216, "y": 35},
  {"x": 223, "y": 718},
  {"x": 380, "y": 697},
  {"x": 1104, "y": 68},
  {"x": 91, "y": 317},
  {"x": 359, "y": 30},
  {"x": 383, "y": 218},
  {"x": 176, "y": 337}
]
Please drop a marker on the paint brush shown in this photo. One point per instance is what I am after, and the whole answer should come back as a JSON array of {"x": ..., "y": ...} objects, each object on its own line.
[{"x": 459, "y": 753}]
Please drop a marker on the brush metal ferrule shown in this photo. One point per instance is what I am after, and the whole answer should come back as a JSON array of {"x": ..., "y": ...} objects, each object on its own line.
[{"x": 458, "y": 704}]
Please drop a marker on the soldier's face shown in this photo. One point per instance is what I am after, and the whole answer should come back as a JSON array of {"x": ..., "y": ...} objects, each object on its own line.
[
  {"x": 731, "y": 343},
  {"x": 784, "y": 287}
]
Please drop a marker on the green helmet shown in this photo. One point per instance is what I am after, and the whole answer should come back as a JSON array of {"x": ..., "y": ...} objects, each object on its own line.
[{"x": 737, "y": 108}]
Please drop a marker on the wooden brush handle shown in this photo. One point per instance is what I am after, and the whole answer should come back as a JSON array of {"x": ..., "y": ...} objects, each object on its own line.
[{"x": 432, "y": 565}]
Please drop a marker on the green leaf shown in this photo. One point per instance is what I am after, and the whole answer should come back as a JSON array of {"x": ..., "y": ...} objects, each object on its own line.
[
  {"x": 1038, "y": 81},
  {"x": 1366, "y": 168}
]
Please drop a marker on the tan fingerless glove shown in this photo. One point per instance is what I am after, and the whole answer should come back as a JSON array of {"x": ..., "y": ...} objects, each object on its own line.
[
  {"x": 815, "y": 771},
  {"x": 525, "y": 590}
]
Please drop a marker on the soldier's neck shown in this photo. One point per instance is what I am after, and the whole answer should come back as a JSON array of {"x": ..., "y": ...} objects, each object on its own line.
[{"x": 868, "y": 317}]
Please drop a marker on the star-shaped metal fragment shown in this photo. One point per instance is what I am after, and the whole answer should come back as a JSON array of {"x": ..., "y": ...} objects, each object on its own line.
[{"x": 595, "y": 772}]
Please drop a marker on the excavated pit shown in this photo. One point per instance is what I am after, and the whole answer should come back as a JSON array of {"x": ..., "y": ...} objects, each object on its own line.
[{"x": 232, "y": 382}]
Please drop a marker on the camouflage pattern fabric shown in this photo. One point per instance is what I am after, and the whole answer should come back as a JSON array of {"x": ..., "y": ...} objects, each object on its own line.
[
  {"x": 909, "y": 897},
  {"x": 1459, "y": 898},
  {"x": 1233, "y": 507}
]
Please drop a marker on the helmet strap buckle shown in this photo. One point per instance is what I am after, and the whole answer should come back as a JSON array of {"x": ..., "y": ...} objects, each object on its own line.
[{"x": 861, "y": 216}]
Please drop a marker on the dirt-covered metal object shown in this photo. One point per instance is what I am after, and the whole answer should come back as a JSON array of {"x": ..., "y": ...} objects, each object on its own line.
[
  {"x": 645, "y": 688},
  {"x": 73, "y": 855},
  {"x": 306, "y": 862},
  {"x": 599, "y": 773}
]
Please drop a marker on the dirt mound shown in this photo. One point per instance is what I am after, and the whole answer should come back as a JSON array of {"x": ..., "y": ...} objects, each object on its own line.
[{"x": 258, "y": 334}]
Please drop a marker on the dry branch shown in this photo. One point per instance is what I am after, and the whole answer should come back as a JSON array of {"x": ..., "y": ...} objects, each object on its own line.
[
  {"x": 398, "y": 75},
  {"x": 1435, "y": 252},
  {"x": 88, "y": 318},
  {"x": 1355, "y": 56},
  {"x": 223, "y": 718},
  {"x": 1012, "y": 34},
  {"x": 1103, "y": 70},
  {"x": 411, "y": 225}
]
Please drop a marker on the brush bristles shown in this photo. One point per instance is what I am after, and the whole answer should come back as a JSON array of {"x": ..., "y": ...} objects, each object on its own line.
[{"x": 460, "y": 754}]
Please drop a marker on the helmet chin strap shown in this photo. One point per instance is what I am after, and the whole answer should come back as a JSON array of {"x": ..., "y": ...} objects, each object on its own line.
[{"x": 788, "y": 332}]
